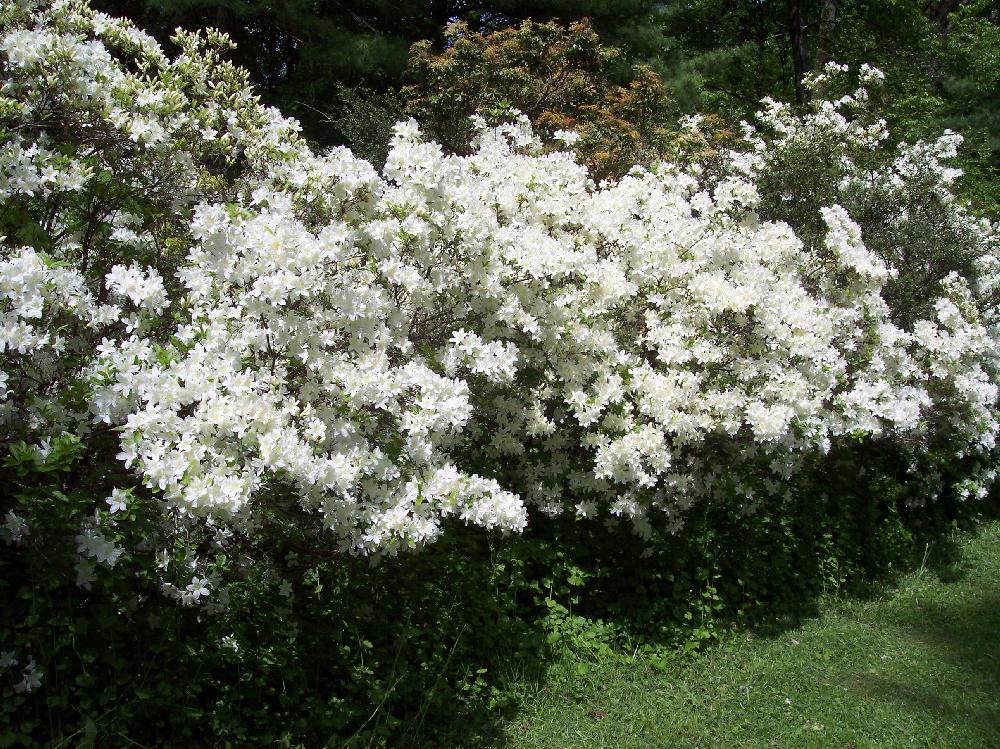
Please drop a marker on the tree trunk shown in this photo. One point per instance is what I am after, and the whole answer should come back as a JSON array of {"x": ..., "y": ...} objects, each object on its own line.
[
  {"x": 824, "y": 36},
  {"x": 942, "y": 12},
  {"x": 797, "y": 36}
]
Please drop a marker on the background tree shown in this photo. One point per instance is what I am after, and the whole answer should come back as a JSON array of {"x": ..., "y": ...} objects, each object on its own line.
[
  {"x": 562, "y": 78},
  {"x": 940, "y": 62},
  {"x": 338, "y": 65},
  {"x": 302, "y": 54},
  {"x": 332, "y": 63}
]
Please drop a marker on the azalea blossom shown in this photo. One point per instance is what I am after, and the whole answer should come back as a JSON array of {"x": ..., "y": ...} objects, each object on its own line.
[{"x": 474, "y": 338}]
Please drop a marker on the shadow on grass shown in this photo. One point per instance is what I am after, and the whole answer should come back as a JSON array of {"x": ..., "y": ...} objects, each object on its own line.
[
  {"x": 940, "y": 554},
  {"x": 469, "y": 725},
  {"x": 961, "y": 636},
  {"x": 629, "y": 596},
  {"x": 946, "y": 561}
]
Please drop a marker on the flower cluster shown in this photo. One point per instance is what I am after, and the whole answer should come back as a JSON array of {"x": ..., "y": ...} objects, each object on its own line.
[
  {"x": 468, "y": 337},
  {"x": 31, "y": 675}
]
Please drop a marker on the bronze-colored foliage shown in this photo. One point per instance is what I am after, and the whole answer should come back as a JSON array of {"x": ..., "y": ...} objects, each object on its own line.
[{"x": 561, "y": 77}]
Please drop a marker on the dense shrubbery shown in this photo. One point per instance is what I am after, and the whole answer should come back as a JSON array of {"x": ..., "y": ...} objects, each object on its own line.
[{"x": 236, "y": 372}]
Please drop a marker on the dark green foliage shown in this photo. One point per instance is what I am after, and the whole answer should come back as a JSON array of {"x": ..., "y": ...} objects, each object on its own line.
[
  {"x": 415, "y": 651},
  {"x": 364, "y": 119},
  {"x": 940, "y": 60},
  {"x": 910, "y": 225},
  {"x": 969, "y": 93},
  {"x": 357, "y": 656},
  {"x": 309, "y": 58},
  {"x": 301, "y": 54}
]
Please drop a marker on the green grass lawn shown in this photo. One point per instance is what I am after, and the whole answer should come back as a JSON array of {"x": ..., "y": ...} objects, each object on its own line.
[{"x": 917, "y": 666}]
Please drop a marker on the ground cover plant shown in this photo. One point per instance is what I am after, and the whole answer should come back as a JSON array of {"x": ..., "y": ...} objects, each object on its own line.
[{"x": 299, "y": 450}]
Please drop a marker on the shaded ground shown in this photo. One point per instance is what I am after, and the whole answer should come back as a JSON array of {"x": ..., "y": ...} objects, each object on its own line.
[{"x": 918, "y": 666}]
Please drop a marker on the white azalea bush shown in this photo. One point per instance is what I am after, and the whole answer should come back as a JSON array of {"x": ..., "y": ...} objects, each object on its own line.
[{"x": 209, "y": 331}]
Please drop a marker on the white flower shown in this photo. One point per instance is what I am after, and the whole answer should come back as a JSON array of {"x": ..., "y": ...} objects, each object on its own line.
[
  {"x": 32, "y": 678},
  {"x": 117, "y": 502},
  {"x": 92, "y": 543},
  {"x": 8, "y": 658},
  {"x": 14, "y": 528},
  {"x": 85, "y": 573},
  {"x": 569, "y": 137},
  {"x": 197, "y": 588}
]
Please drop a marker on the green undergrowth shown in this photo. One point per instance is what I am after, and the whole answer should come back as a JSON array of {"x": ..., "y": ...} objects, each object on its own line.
[
  {"x": 915, "y": 663},
  {"x": 577, "y": 633}
]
